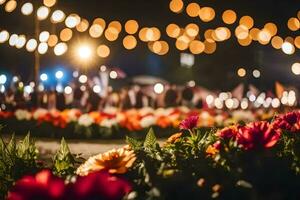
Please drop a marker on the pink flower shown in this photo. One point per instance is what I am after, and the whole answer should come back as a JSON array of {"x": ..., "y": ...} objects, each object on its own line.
[
  {"x": 189, "y": 123},
  {"x": 100, "y": 185},
  {"x": 228, "y": 132},
  {"x": 258, "y": 135},
  {"x": 43, "y": 186},
  {"x": 288, "y": 122}
]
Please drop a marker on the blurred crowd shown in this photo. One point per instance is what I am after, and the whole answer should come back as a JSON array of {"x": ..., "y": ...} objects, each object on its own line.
[
  {"x": 92, "y": 98},
  {"x": 87, "y": 100}
]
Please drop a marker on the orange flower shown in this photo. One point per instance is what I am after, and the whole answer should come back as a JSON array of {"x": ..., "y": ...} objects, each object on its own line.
[
  {"x": 174, "y": 138},
  {"x": 211, "y": 150},
  {"x": 163, "y": 122},
  {"x": 115, "y": 161}
]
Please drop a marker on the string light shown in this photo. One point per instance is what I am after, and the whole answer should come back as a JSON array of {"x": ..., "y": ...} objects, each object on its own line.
[
  {"x": 241, "y": 72},
  {"x": 49, "y": 3},
  {"x": 131, "y": 26},
  {"x": 21, "y": 41},
  {"x": 27, "y": 8},
  {"x": 10, "y": 6},
  {"x": 58, "y": 16},
  {"x": 31, "y": 45},
  {"x": 4, "y": 36},
  {"x": 42, "y": 12},
  {"x": 129, "y": 42},
  {"x": 42, "y": 48},
  {"x": 288, "y": 48},
  {"x": 103, "y": 51},
  {"x": 72, "y": 20},
  {"x": 60, "y": 49},
  {"x": 296, "y": 68},
  {"x": 44, "y": 36}
]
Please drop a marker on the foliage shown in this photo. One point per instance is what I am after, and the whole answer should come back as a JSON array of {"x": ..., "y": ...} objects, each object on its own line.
[
  {"x": 16, "y": 159},
  {"x": 64, "y": 162}
]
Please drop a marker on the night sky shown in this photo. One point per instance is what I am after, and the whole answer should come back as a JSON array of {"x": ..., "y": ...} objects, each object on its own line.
[{"x": 216, "y": 71}]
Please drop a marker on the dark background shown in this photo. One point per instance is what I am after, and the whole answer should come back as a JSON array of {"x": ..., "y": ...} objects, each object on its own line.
[{"x": 216, "y": 71}]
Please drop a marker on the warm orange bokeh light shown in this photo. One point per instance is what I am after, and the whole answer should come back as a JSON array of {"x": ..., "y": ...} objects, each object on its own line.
[
  {"x": 129, "y": 42},
  {"x": 131, "y": 26},
  {"x": 193, "y": 9},
  {"x": 229, "y": 16}
]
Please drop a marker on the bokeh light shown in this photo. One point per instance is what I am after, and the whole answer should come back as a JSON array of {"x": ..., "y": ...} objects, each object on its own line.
[
  {"x": 256, "y": 73},
  {"x": 66, "y": 34},
  {"x": 27, "y": 8},
  {"x": 31, "y": 45},
  {"x": 196, "y": 47},
  {"x": 296, "y": 68},
  {"x": 241, "y": 72},
  {"x": 72, "y": 20},
  {"x": 176, "y": 6},
  {"x": 10, "y": 6},
  {"x": 207, "y": 14},
  {"x": 229, "y": 16},
  {"x": 43, "y": 48},
  {"x": 52, "y": 41},
  {"x": 21, "y": 41},
  {"x": 173, "y": 30},
  {"x": 42, "y": 12},
  {"x": 96, "y": 31},
  {"x": 129, "y": 42},
  {"x": 58, "y": 16},
  {"x": 103, "y": 51},
  {"x": 131, "y": 26},
  {"x": 59, "y": 74},
  {"x": 288, "y": 48},
  {"x": 84, "y": 51},
  {"x": 82, "y": 79},
  {"x": 158, "y": 88},
  {"x": 60, "y": 49},
  {"x": 193, "y": 9},
  {"x": 49, "y": 3},
  {"x": 44, "y": 36},
  {"x": 4, "y": 36}
]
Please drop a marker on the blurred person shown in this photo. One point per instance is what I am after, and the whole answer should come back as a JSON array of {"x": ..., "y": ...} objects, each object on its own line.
[
  {"x": 93, "y": 101},
  {"x": 77, "y": 96},
  {"x": 171, "y": 97},
  {"x": 187, "y": 97},
  {"x": 60, "y": 101}
]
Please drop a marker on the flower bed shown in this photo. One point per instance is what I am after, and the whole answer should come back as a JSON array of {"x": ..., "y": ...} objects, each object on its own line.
[
  {"x": 114, "y": 124},
  {"x": 257, "y": 160}
]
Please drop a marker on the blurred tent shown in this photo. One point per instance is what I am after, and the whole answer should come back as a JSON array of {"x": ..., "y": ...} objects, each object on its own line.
[{"x": 148, "y": 80}]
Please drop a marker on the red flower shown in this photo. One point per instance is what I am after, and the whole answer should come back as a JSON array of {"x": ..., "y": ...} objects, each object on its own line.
[
  {"x": 100, "y": 185},
  {"x": 228, "y": 132},
  {"x": 258, "y": 135},
  {"x": 189, "y": 123},
  {"x": 289, "y": 122},
  {"x": 43, "y": 186}
]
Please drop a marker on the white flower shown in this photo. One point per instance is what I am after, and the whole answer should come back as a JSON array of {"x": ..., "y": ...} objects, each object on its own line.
[
  {"x": 72, "y": 115},
  {"x": 145, "y": 111},
  {"x": 39, "y": 113},
  {"x": 219, "y": 119},
  {"x": 163, "y": 111},
  {"x": 85, "y": 120},
  {"x": 22, "y": 114},
  {"x": 110, "y": 110},
  {"x": 108, "y": 123},
  {"x": 148, "y": 121}
]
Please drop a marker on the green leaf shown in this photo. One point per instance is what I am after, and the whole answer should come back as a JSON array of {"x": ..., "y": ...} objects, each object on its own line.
[
  {"x": 133, "y": 143},
  {"x": 11, "y": 147},
  {"x": 64, "y": 162},
  {"x": 150, "y": 140}
]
